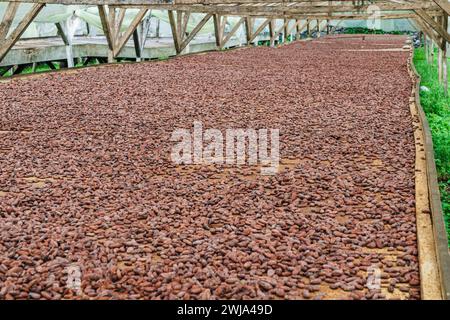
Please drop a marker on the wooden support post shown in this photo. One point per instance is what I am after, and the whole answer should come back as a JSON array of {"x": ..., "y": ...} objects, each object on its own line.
[
  {"x": 107, "y": 30},
  {"x": 233, "y": 31},
  {"x": 433, "y": 24},
  {"x": 328, "y": 26},
  {"x": 8, "y": 18},
  {"x": 427, "y": 48},
  {"x": 194, "y": 32},
  {"x": 445, "y": 69},
  {"x": 158, "y": 24},
  {"x": 248, "y": 29},
  {"x": 118, "y": 25},
  {"x": 295, "y": 26},
  {"x": 300, "y": 29},
  {"x": 143, "y": 29},
  {"x": 444, "y": 61},
  {"x": 259, "y": 29},
  {"x": 112, "y": 25},
  {"x": 318, "y": 28},
  {"x": 123, "y": 39},
  {"x": 308, "y": 28},
  {"x": 67, "y": 33},
  {"x": 439, "y": 21},
  {"x": 297, "y": 30},
  {"x": 173, "y": 26},
  {"x": 8, "y": 42},
  {"x": 432, "y": 53},
  {"x": 282, "y": 29},
  {"x": 272, "y": 32},
  {"x": 184, "y": 27},
  {"x": 137, "y": 45},
  {"x": 179, "y": 30},
  {"x": 217, "y": 31},
  {"x": 285, "y": 30}
]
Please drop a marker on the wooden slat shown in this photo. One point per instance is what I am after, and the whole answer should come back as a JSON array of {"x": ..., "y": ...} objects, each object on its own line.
[
  {"x": 185, "y": 22},
  {"x": 233, "y": 31},
  {"x": 428, "y": 31},
  {"x": 106, "y": 27},
  {"x": 179, "y": 16},
  {"x": 444, "y": 4},
  {"x": 129, "y": 32},
  {"x": 8, "y": 43},
  {"x": 197, "y": 28},
  {"x": 259, "y": 29},
  {"x": 8, "y": 18},
  {"x": 217, "y": 33},
  {"x": 118, "y": 25},
  {"x": 437, "y": 216},
  {"x": 248, "y": 28},
  {"x": 294, "y": 26},
  {"x": 173, "y": 26},
  {"x": 433, "y": 24},
  {"x": 345, "y": 5}
]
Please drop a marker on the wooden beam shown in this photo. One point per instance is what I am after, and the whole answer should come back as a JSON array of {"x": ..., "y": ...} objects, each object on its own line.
[
  {"x": 217, "y": 30},
  {"x": 143, "y": 29},
  {"x": 9, "y": 41},
  {"x": 294, "y": 26},
  {"x": 62, "y": 33},
  {"x": 179, "y": 16},
  {"x": 259, "y": 29},
  {"x": 137, "y": 45},
  {"x": 186, "y": 17},
  {"x": 233, "y": 31},
  {"x": 193, "y": 33},
  {"x": 433, "y": 24},
  {"x": 306, "y": 6},
  {"x": 173, "y": 26},
  {"x": 286, "y": 22},
  {"x": 248, "y": 28},
  {"x": 427, "y": 30},
  {"x": 443, "y": 56},
  {"x": 444, "y": 4},
  {"x": 106, "y": 27},
  {"x": 118, "y": 25},
  {"x": 272, "y": 32},
  {"x": 129, "y": 32},
  {"x": 308, "y": 28},
  {"x": 8, "y": 18},
  {"x": 67, "y": 33}
]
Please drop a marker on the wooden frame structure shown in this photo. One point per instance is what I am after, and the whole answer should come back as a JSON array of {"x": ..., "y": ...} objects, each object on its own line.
[{"x": 430, "y": 16}]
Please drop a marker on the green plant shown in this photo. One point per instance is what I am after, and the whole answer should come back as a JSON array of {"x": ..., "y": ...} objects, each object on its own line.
[{"x": 436, "y": 105}]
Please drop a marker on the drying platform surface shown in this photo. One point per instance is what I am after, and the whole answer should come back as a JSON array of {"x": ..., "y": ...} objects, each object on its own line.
[{"x": 88, "y": 190}]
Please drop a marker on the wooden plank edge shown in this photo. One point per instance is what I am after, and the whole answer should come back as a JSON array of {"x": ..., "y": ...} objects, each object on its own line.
[{"x": 437, "y": 215}]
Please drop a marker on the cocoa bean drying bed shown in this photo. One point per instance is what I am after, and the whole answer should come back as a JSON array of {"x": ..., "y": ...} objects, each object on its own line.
[{"x": 86, "y": 177}]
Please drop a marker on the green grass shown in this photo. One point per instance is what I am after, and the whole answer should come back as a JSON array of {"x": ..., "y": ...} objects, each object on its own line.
[
  {"x": 437, "y": 109},
  {"x": 42, "y": 67}
]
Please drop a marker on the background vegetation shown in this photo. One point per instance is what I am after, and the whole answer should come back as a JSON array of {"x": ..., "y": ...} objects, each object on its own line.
[{"x": 436, "y": 105}]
